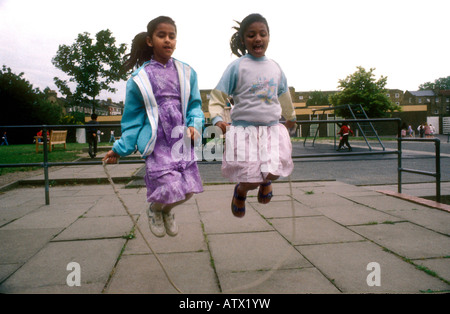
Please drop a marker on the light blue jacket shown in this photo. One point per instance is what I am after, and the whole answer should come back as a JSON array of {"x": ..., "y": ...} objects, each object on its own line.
[{"x": 140, "y": 117}]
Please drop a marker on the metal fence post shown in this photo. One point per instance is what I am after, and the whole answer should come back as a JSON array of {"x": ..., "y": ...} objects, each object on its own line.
[
  {"x": 399, "y": 157},
  {"x": 47, "y": 192},
  {"x": 437, "y": 143}
]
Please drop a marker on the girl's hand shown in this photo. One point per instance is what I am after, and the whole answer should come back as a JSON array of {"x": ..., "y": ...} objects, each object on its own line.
[
  {"x": 290, "y": 124},
  {"x": 223, "y": 126},
  {"x": 111, "y": 157},
  {"x": 193, "y": 134}
]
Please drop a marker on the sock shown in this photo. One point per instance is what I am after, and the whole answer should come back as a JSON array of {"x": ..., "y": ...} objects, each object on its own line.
[
  {"x": 168, "y": 207},
  {"x": 156, "y": 207}
]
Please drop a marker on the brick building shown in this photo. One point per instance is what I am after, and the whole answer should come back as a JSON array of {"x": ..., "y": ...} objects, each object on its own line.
[{"x": 417, "y": 107}]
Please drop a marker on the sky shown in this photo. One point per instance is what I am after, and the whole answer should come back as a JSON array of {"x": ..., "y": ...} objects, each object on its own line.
[{"x": 316, "y": 42}]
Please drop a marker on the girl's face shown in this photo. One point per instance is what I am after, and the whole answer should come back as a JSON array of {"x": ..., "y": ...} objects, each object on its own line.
[
  {"x": 256, "y": 39},
  {"x": 163, "y": 41}
]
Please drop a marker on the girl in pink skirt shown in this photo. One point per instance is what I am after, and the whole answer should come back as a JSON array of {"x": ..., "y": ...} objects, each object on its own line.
[{"x": 258, "y": 148}]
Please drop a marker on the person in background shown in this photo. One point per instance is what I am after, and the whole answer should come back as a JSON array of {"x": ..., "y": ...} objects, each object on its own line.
[
  {"x": 4, "y": 139},
  {"x": 91, "y": 135},
  {"x": 344, "y": 133},
  {"x": 112, "y": 139}
]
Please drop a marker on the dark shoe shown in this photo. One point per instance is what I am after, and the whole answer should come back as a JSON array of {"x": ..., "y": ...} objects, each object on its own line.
[
  {"x": 264, "y": 198},
  {"x": 237, "y": 211}
]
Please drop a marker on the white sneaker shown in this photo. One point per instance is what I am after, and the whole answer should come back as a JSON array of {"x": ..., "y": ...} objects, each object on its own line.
[
  {"x": 156, "y": 223},
  {"x": 170, "y": 224}
]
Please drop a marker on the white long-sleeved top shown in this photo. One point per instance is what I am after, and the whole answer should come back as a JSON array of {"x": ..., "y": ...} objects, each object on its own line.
[{"x": 259, "y": 90}]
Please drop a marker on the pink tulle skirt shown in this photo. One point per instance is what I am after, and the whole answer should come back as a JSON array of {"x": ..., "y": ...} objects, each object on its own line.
[{"x": 252, "y": 152}]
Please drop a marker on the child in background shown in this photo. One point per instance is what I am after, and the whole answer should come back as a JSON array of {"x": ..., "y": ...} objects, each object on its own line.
[
  {"x": 162, "y": 95},
  {"x": 261, "y": 96},
  {"x": 344, "y": 133},
  {"x": 92, "y": 135}
]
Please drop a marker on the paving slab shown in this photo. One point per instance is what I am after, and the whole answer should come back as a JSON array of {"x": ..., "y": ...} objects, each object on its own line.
[
  {"x": 427, "y": 217},
  {"x": 356, "y": 214},
  {"x": 189, "y": 239},
  {"x": 97, "y": 228},
  {"x": 281, "y": 281},
  {"x": 441, "y": 266},
  {"x": 47, "y": 270},
  {"x": 222, "y": 220},
  {"x": 52, "y": 216},
  {"x": 382, "y": 202},
  {"x": 407, "y": 239},
  {"x": 313, "y": 199},
  {"x": 190, "y": 272},
  {"x": 313, "y": 230},
  {"x": 18, "y": 245},
  {"x": 283, "y": 209},
  {"x": 253, "y": 251},
  {"x": 346, "y": 264}
]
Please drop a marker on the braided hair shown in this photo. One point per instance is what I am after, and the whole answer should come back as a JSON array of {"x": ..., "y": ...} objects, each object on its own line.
[
  {"x": 140, "y": 51},
  {"x": 237, "y": 44}
]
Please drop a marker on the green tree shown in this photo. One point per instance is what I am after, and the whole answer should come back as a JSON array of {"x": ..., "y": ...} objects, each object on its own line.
[
  {"x": 362, "y": 88},
  {"x": 442, "y": 83},
  {"x": 22, "y": 104},
  {"x": 93, "y": 67},
  {"x": 318, "y": 98}
]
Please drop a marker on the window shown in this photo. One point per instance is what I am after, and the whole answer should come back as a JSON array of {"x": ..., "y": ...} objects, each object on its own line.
[
  {"x": 300, "y": 97},
  {"x": 397, "y": 95}
]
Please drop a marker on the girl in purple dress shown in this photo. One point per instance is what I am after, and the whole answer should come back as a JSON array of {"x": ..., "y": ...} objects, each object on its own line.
[{"x": 162, "y": 110}]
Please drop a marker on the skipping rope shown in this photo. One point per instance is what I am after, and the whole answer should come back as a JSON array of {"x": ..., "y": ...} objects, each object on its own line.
[
  {"x": 253, "y": 284},
  {"x": 135, "y": 225}
]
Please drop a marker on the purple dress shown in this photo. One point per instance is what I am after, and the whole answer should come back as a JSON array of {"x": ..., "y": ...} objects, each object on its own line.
[{"x": 168, "y": 179}]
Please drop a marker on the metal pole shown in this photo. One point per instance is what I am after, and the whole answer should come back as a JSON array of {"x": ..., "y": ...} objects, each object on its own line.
[
  {"x": 438, "y": 169},
  {"x": 47, "y": 193},
  {"x": 399, "y": 157}
]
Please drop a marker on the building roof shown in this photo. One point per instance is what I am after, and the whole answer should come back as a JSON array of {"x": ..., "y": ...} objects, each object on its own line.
[{"x": 423, "y": 93}]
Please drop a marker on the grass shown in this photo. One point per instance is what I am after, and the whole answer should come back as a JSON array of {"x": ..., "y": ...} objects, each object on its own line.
[
  {"x": 26, "y": 153},
  {"x": 352, "y": 138}
]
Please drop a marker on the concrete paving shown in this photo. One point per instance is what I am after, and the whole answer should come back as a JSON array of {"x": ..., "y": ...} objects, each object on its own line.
[{"x": 325, "y": 237}]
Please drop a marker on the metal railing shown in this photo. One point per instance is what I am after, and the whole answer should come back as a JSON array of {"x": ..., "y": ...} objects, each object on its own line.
[
  {"x": 436, "y": 174},
  {"x": 46, "y": 164}
]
